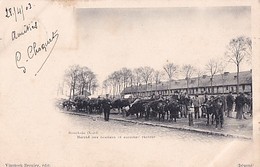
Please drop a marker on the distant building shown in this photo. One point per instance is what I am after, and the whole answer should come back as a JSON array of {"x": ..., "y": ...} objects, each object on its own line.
[{"x": 222, "y": 84}]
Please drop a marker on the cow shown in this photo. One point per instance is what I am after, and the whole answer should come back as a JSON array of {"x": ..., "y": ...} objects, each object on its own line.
[
  {"x": 155, "y": 107},
  {"x": 138, "y": 107},
  {"x": 218, "y": 105},
  {"x": 68, "y": 104},
  {"x": 173, "y": 108},
  {"x": 210, "y": 110},
  {"x": 81, "y": 104},
  {"x": 94, "y": 105},
  {"x": 214, "y": 108},
  {"x": 120, "y": 103}
]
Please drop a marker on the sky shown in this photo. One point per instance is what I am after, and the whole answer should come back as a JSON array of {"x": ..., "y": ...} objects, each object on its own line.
[{"x": 112, "y": 38}]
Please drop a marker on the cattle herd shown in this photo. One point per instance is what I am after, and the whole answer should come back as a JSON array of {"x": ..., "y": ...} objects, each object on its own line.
[{"x": 162, "y": 109}]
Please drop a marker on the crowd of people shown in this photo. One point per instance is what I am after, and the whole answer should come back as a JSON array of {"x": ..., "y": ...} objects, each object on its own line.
[
  {"x": 240, "y": 104},
  {"x": 198, "y": 106}
]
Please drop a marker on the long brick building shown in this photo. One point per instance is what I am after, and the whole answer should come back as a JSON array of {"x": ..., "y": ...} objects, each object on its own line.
[{"x": 222, "y": 84}]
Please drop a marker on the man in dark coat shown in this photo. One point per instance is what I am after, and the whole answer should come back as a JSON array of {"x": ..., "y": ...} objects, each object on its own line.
[
  {"x": 203, "y": 105},
  {"x": 230, "y": 102},
  {"x": 183, "y": 102},
  {"x": 106, "y": 105},
  {"x": 240, "y": 101}
]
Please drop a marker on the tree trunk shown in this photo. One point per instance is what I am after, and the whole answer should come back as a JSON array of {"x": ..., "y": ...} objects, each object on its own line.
[
  {"x": 169, "y": 87},
  {"x": 82, "y": 90},
  {"x": 70, "y": 92},
  {"x": 223, "y": 89},
  {"x": 73, "y": 91},
  {"x": 146, "y": 91},
  {"x": 237, "y": 89},
  {"x": 187, "y": 86},
  {"x": 211, "y": 85},
  {"x": 156, "y": 89}
]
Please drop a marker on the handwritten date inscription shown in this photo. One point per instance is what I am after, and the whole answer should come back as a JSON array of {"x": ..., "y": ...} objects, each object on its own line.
[
  {"x": 35, "y": 49},
  {"x": 17, "y": 11}
]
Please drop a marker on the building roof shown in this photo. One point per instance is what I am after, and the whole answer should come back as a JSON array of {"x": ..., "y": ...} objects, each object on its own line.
[{"x": 245, "y": 77}]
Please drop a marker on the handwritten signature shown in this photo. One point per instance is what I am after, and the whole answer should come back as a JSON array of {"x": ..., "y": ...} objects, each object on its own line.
[{"x": 34, "y": 49}]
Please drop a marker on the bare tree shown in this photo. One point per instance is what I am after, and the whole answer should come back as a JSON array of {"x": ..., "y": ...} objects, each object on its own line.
[
  {"x": 106, "y": 85},
  {"x": 237, "y": 49},
  {"x": 157, "y": 78},
  {"x": 146, "y": 75},
  {"x": 188, "y": 71},
  {"x": 92, "y": 80},
  {"x": 212, "y": 67},
  {"x": 94, "y": 86},
  {"x": 171, "y": 70},
  {"x": 221, "y": 70},
  {"x": 85, "y": 77},
  {"x": 131, "y": 79},
  {"x": 71, "y": 78},
  {"x": 116, "y": 80},
  {"x": 112, "y": 83},
  {"x": 137, "y": 77},
  {"x": 199, "y": 73},
  {"x": 126, "y": 75},
  {"x": 79, "y": 80}
]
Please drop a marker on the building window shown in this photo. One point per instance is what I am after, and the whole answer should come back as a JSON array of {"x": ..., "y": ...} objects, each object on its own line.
[
  {"x": 226, "y": 87},
  {"x": 243, "y": 86}
]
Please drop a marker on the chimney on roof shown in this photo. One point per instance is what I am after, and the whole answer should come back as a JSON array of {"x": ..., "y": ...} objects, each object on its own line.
[
  {"x": 226, "y": 73},
  {"x": 177, "y": 82},
  {"x": 235, "y": 77},
  {"x": 204, "y": 76},
  {"x": 250, "y": 70}
]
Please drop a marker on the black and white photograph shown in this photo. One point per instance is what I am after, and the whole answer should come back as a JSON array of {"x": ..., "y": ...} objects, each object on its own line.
[{"x": 149, "y": 84}]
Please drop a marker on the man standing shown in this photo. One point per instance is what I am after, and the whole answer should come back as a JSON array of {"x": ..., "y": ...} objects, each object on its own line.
[
  {"x": 196, "y": 104},
  {"x": 240, "y": 101},
  {"x": 106, "y": 104},
  {"x": 185, "y": 104},
  {"x": 203, "y": 106},
  {"x": 230, "y": 102}
]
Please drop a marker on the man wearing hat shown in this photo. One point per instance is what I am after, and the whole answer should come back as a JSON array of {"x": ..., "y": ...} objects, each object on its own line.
[
  {"x": 240, "y": 101},
  {"x": 230, "y": 102},
  {"x": 196, "y": 104},
  {"x": 106, "y": 105}
]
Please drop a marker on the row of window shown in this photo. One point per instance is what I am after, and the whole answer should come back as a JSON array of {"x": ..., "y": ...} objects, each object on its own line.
[{"x": 216, "y": 89}]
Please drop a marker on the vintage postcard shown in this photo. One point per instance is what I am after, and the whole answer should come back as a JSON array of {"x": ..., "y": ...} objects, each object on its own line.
[{"x": 129, "y": 83}]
